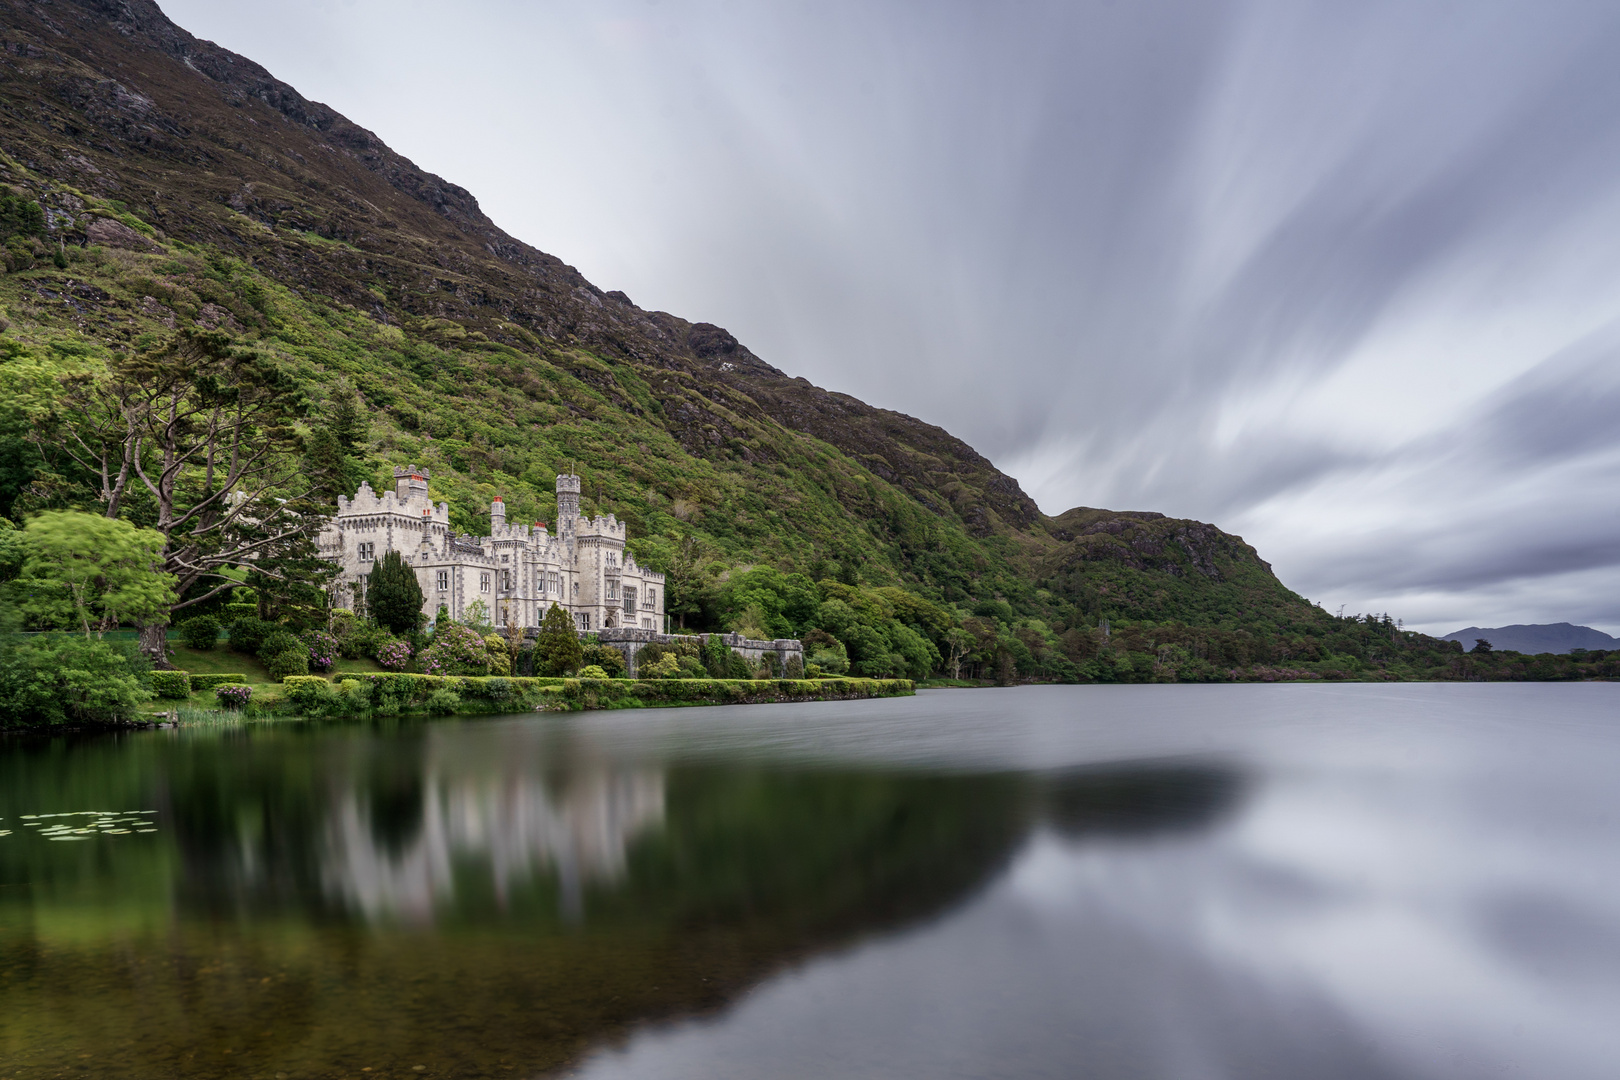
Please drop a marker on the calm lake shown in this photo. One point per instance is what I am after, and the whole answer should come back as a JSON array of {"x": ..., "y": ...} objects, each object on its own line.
[{"x": 1136, "y": 881}]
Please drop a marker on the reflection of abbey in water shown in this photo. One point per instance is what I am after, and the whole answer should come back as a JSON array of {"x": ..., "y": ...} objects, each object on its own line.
[
  {"x": 517, "y": 572},
  {"x": 404, "y": 867}
]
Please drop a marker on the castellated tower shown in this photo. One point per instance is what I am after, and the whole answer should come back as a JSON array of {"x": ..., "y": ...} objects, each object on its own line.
[
  {"x": 411, "y": 483},
  {"x": 567, "y": 505}
]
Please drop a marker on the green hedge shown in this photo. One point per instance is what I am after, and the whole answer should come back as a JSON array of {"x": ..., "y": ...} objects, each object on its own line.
[
  {"x": 314, "y": 695},
  {"x": 203, "y": 683},
  {"x": 174, "y": 685}
]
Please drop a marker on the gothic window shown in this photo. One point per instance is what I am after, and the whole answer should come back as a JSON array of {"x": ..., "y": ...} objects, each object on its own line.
[
  {"x": 444, "y": 581},
  {"x": 613, "y": 590},
  {"x": 483, "y": 583},
  {"x": 506, "y": 579},
  {"x": 652, "y": 601},
  {"x": 629, "y": 600},
  {"x": 368, "y": 552}
]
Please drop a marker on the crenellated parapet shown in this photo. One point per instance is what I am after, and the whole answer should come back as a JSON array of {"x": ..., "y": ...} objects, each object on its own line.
[{"x": 517, "y": 570}]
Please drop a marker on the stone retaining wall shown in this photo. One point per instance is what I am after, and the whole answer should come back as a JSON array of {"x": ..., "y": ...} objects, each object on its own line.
[{"x": 630, "y": 642}]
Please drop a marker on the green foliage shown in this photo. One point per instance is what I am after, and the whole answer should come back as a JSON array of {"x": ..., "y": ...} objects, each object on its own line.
[
  {"x": 203, "y": 683},
  {"x": 196, "y": 437},
  {"x": 248, "y": 632},
  {"x": 20, "y": 216},
  {"x": 199, "y": 632},
  {"x": 277, "y": 641},
  {"x": 459, "y": 650},
  {"x": 476, "y": 615},
  {"x": 556, "y": 649},
  {"x": 174, "y": 685},
  {"x": 85, "y": 572},
  {"x": 500, "y": 661},
  {"x": 294, "y": 661},
  {"x": 826, "y": 652},
  {"x": 393, "y": 595},
  {"x": 59, "y": 679},
  {"x": 591, "y": 671},
  {"x": 444, "y": 702},
  {"x": 667, "y": 666},
  {"x": 606, "y": 657}
]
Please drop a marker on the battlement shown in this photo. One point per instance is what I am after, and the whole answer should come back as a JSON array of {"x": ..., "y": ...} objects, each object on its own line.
[{"x": 413, "y": 504}]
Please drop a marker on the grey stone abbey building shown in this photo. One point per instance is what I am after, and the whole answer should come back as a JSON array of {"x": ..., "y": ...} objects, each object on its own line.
[{"x": 517, "y": 572}]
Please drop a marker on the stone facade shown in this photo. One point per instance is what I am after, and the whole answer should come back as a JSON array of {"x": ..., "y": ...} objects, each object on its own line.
[{"x": 517, "y": 571}]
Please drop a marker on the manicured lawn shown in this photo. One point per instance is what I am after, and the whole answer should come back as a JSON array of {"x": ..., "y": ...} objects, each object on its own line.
[{"x": 217, "y": 661}]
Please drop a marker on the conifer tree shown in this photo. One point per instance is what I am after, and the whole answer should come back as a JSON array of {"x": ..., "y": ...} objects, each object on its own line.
[
  {"x": 393, "y": 595},
  {"x": 557, "y": 650}
]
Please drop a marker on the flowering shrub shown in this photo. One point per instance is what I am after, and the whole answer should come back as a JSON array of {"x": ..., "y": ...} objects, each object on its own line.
[
  {"x": 323, "y": 649},
  {"x": 456, "y": 650},
  {"x": 395, "y": 655},
  {"x": 233, "y": 696}
]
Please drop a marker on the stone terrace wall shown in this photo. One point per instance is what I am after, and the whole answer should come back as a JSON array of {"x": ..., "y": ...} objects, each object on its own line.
[{"x": 630, "y": 642}]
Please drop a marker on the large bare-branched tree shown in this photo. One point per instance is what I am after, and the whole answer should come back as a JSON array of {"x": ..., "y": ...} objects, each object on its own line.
[{"x": 196, "y": 439}]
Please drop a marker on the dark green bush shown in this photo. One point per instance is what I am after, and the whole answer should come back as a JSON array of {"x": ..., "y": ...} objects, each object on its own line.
[
  {"x": 199, "y": 632},
  {"x": 174, "y": 685},
  {"x": 364, "y": 641},
  {"x": 294, "y": 661},
  {"x": 248, "y": 632},
  {"x": 279, "y": 641}
]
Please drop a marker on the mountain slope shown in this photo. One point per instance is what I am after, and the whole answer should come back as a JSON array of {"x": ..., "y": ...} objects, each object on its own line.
[{"x": 184, "y": 184}]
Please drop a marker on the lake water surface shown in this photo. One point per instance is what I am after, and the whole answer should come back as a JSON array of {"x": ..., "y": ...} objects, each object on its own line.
[{"x": 1190, "y": 882}]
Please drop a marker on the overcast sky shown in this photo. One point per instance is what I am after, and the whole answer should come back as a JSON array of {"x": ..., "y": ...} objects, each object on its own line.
[{"x": 1340, "y": 277}]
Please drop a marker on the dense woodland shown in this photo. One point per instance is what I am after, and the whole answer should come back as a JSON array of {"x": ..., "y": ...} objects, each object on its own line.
[{"x": 224, "y": 305}]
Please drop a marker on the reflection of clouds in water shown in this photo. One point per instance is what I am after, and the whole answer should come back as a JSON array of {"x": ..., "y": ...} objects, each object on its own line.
[
  {"x": 1425, "y": 915},
  {"x": 518, "y": 821},
  {"x": 1450, "y": 940}
]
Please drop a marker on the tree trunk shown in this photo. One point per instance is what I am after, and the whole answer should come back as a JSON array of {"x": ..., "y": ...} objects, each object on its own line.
[{"x": 153, "y": 645}]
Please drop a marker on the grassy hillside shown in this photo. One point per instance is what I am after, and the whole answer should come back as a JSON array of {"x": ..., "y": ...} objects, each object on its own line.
[{"x": 182, "y": 185}]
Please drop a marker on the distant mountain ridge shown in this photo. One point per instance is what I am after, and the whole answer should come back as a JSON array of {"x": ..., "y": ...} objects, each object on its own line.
[{"x": 1536, "y": 637}]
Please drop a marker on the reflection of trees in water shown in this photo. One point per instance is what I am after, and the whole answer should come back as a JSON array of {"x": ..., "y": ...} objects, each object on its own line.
[
  {"x": 1141, "y": 799},
  {"x": 690, "y": 886},
  {"x": 519, "y": 822}
]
